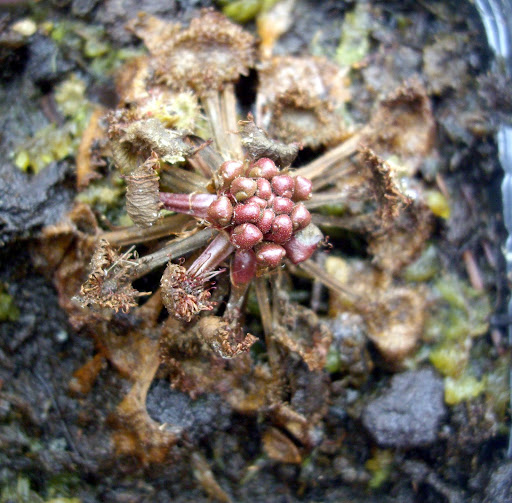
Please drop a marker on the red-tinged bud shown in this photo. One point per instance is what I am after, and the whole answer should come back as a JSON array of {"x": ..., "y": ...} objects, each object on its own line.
[
  {"x": 264, "y": 189},
  {"x": 303, "y": 189},
  {"x": 270, "y": 254},
  {"x": 258, "y": 200},
  {"x": 263, "y": 168},
  {"x": 228, "y": 171},
  {"x": 246, "y": 236},
  {"x": 282, "y": 205},
  {"x": 270, "y": 200},
  {"x": 220, "y": 212},
  {"x": 281, "y": 230},
  {"x": 243, "y": 267},
  {"x": 265, "y": 221},
  {"x": 303, "y": 244},
  {"x": 245, "y": 213},
  {"x": 243, "y": 188},
  {"x": 300, "y": 216},
  {"x": 283, "y": 185}
]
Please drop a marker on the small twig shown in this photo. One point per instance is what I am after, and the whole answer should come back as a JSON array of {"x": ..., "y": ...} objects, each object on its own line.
[
  {"x": 475, "y": 277},
  {"x": 49, "y": 391}
]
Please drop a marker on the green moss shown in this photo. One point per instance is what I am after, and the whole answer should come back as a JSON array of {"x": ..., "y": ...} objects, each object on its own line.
[
  {"x": 425, "y": 267},
  {"x": 243, "y": 11},
  {"x": 56, "y": 142},
  {"x": 380, "y": 466},
  {"x": 438, "y": 203},
  {"x": 8, "y": 309},
  {"x": 449, "y": 358},
  {"x": 106, "y": 197},
  {"x": 354, "y": 43},
  {"x": 497, "y": 389},
  {"x": 462, "y": 388},
  {"x": 333, "y": 361}
]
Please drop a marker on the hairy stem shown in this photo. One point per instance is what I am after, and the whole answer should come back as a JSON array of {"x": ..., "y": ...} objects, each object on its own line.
[{"x": 181, "y": 180}]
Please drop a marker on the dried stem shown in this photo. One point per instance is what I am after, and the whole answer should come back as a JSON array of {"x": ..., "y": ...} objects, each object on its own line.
[
  {"x": 316, "y": 272},
  {"x": 229, "y": 119},
  {"x": 205, "y": 160},
  {"x": 358, "y": 223},
  {"x": 181, "y": 180},
  {"x": 176, "y": 248},
  {"x": 262, "y": 295},
  {"x": 221, "y": 110},
  {"x": 173, "y": 224},
  {"x": 267, "y": 318},
  {"x": 319, "y": 166}
]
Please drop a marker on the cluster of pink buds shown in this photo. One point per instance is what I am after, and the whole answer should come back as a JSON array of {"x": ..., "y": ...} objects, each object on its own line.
[{"x": 261, "y": 212}]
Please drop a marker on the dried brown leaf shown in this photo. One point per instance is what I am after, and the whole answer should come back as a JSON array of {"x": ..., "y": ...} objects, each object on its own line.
[
  {"x": 142, "y": 193},
  {"x": 389, "y": 197},
  {"x": 257, "y": 144},
  {"x": 208, "y": 54}
]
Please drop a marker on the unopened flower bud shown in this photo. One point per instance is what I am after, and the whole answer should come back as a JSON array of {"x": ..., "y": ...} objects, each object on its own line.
[
  {"x": 303, "y": 244},
  {"x": 220, "y": 212},
  {"x": 264, "y": 189},
  {"x": 281, "y": 230},
  {"x": 246, "y": 236},
  {"x": 282, "y": 205},
  {"x": 243, "y": 188},
  {"x": 263, "y": 168},
  {"x": 300, "y": 216},
  {"x": 270, "y": 254},
  {"x": 303, "y": 189},
  {"x": 245, "y": 213},
  {"x": 228, "y": 171},
  {"x": 257, "y": 200},
  {"x": 283, "y": 185},
  {"x": 265, "y": 221}
]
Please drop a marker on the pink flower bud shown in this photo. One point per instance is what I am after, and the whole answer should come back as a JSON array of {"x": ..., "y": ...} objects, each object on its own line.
[
  {"x": 243, "y": 267},
  {"x": 264, "y": 189},
  {"x": 243, "y": 188},
  {"x": 283, "y": 185},
  {"x": 257, "y": 200},
  {"x": 270, "y": 254},
  {"x": 245, "y": 213},
  {"x": 263, "y": 168},
  {"x": 228, "y": 171},
  {"x": 281, "y": 230},
  {"x": 303, "y": 189},
  {"x": 303, "y": 244},
  {"x": 265, "y": 221},
  {"x": 246, "y": 236},
  {"x": 220, "y": 212},
  {"x": 282, "y": 205},
  {"x": 300, "y": 216}
]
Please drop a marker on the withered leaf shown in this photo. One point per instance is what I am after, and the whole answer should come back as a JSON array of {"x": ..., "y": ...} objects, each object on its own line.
[
  {"x": 109, "y": 283},
  {"x": 208, "y": 54},
  {"x": 389, "y": 197},
  {"x": 257, "y": 144},
  {"x": 142, "y": 193}
]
